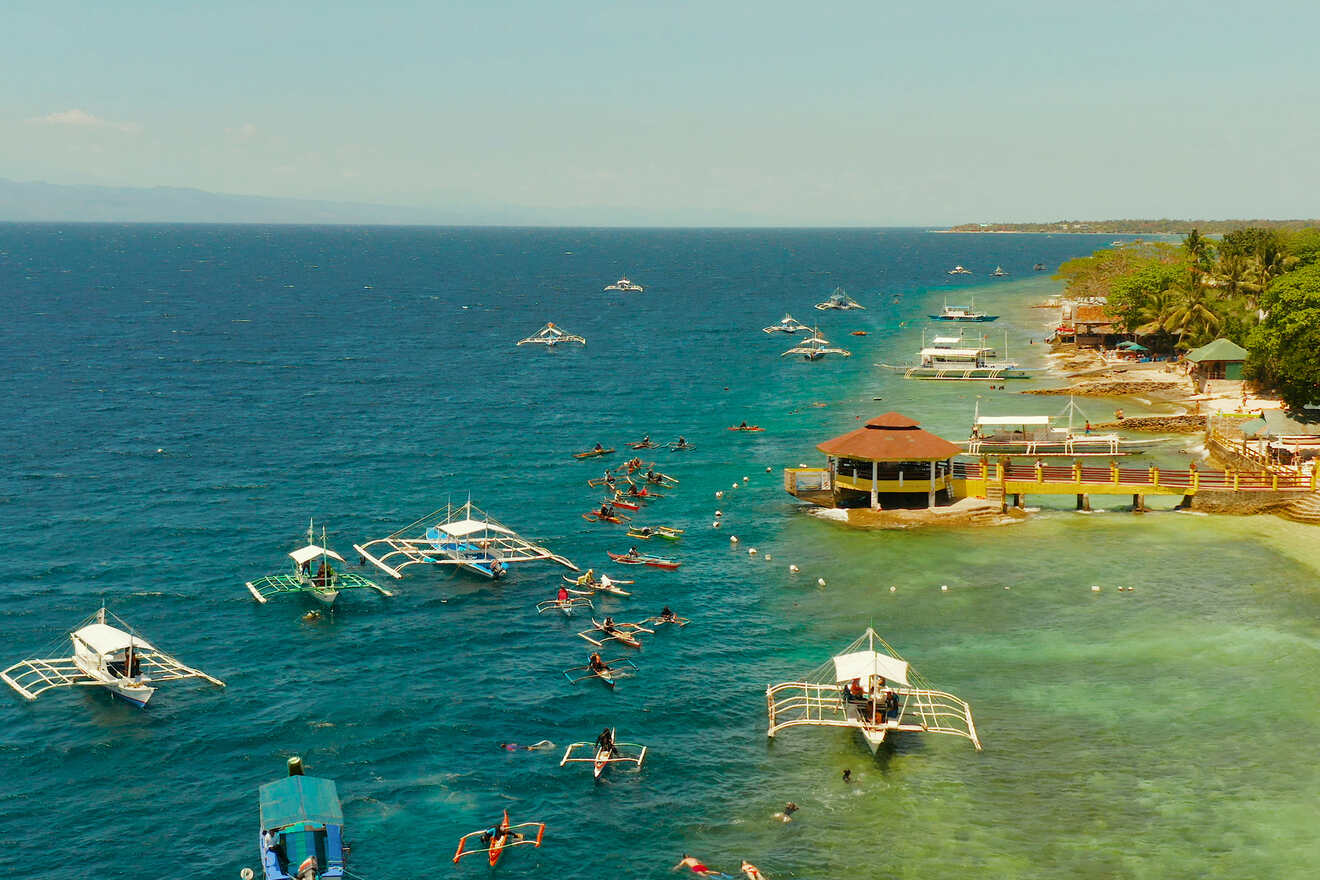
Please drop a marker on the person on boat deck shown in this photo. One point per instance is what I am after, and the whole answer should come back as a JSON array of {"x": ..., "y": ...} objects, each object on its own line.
[
  {"x": 666, "y": 614},
  {"x": 605, "y": 742},
  {"x": 323, "y": 573},
  {"x": 599, "y": 448},
  {"x": 742, "y": 424},
  {"x": 634, "y": 552},
  {"x": 496, "y": 567},
  {"x": 605, "y": 582},
  {"x": 645, "y": 530},
  {"x": 855, "y": 689},
  {"x": 562, "y": 595},
  {"x": 595, "y": 664},
  {"x": 586, "y": 577},
  {"x": 681, "y": 442},
  {"x": 272, "y": 841},
  {"x": 650, "y": 473},
  {"x": 608, "y": 625}
]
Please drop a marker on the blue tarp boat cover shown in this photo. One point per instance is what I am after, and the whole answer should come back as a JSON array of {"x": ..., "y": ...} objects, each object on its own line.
[{"x": 300, "y": 799}]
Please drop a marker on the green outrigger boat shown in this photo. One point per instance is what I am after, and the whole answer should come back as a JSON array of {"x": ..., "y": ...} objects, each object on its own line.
[{"x": 323, "y": 584}]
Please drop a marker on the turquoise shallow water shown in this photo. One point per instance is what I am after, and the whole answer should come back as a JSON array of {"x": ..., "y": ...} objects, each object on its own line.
[{"x": 364, "y": 376}]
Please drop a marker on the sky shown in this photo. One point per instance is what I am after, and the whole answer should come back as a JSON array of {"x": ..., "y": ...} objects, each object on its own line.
[{"x": 692, "y": 114}]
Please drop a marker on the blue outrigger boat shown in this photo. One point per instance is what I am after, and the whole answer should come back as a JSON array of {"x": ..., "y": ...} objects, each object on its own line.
[{"x": 302, "y": 827}]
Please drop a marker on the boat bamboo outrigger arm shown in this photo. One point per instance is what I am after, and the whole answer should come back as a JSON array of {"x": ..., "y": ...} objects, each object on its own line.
[{"x": 461, "y": 535}]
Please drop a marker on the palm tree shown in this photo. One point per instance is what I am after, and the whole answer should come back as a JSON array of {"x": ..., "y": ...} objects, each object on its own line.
[{"x": 1193, "y": 315}]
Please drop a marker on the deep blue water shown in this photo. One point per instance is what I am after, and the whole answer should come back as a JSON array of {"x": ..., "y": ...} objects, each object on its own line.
[{"x": 180, "y": 400}]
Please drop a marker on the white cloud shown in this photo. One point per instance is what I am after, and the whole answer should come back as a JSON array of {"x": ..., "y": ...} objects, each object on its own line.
[
  {"x": 83, "y": 119},
  {"x": 244, "y": 132}
]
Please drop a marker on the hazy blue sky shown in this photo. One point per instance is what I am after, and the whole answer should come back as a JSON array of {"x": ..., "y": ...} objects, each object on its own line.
[{"x": 856, "y": 113}]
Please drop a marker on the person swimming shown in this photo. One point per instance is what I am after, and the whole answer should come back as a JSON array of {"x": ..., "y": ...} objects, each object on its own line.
[{"x": 787, "y": 815}]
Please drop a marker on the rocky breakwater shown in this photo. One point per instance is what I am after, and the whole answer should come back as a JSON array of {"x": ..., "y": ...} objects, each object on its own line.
[
  {"x": 966, "y": 512},
  {"x": 1116, "y": 389},
  {"x": 1183, "y": 424}
]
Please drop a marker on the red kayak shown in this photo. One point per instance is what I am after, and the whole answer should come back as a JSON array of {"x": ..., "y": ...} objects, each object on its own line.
[{"x": 653, "y": 561}]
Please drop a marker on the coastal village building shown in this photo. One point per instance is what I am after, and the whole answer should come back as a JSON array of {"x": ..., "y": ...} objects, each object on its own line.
[
  {"x": 1093, "y": 327},
  {"x": 889, "y": 462},
  {"x": 1220, "y": 360}
]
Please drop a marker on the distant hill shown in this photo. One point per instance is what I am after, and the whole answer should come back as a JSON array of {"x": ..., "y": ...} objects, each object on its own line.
[
  {"x": 1134, "y": 227},
  {"x": 49, "y": 202}
]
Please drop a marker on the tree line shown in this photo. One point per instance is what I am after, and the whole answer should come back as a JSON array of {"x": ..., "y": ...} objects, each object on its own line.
[{"x": 1258, "y": 286}]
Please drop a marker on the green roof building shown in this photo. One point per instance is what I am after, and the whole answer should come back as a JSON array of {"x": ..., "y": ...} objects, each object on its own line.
[{"x": 1220, "y": 359}]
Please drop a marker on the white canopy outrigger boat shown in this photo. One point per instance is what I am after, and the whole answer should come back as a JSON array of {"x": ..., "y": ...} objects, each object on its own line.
[
  {"x": 816, "y": 347},
  {"x": 840, "y": 301},
  {"x": 460, "y": 535},
  {"x": 119, "y": 660},
  {"x": 870, "y": 688},
  {"x": 323, "y": 585},
  {"x": 625, "y": 284},
  {"x": 550, "y": 336},
  {"x": 786, "y": 324},
  {"x": 1038, "y": 436}
]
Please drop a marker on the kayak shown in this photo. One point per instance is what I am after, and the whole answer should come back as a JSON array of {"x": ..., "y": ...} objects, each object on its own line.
[
  {"x": 650, "y": 532},
  {"x": 596, "y": 517},
  {"x": 746, "y": 428},
  {"x": 626, "y": 505},
  {"x": 653, "y": 561},
  {"x": 643, "y": 444},
  {"x": 592, "y": 453},
  {"x": 859, "y": 333},
  {"x": 597, "y": 587}
]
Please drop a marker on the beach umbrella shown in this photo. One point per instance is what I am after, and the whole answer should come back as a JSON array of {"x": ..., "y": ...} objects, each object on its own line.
[
  {"x": 1254, "y": 427},
  {"x": 1132, "y": 346}
]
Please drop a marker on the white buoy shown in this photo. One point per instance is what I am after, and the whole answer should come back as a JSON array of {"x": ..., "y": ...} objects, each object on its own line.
[
  {"x": 746, "y": 479},
  {"x": 719, "y": 513},
  {"x": 1095, "y": 588},
  {"x": 944, "y": 588},
  {"x": 893, "y": 589},
  {"x": 715, "y": 525},
  {"x": 802, "y": 464},
  {"x": 767, "y": 557},
  {"x": 735, "y": 485},
  {"x": 719, "y": 494},
  {"x": 733, "y": 539},
  {"x": 767, "y": 470},
  {"x": 751, "y": 551},
  {"x": 1007, "y": 587},
  {"x": 161, "y": 451},
  {"x": 820, "y": 581},
  {"x": 793, "y": 568}
]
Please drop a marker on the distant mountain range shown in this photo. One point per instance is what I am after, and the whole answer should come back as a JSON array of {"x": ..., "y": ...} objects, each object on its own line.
[
  {"x": 1134, "y": 227},
  {"x": 49, "y": 202}
]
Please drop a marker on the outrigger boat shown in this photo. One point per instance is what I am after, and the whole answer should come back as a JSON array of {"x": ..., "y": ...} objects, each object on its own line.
[
  {"x": 615, "y": 669},
  {"x": 870, "y": 688},
  {"x": 680, "y": 445},
  {"x": 597, "y": 516},
  {"x": 602, "y": 755},
  {"x": 816, "y": 347},
  {"x": 963, "y": 314},
  {"x": 302, "y": 827},
  {"x": 623, "y": 633},
  {"x": 563, "y": 605},
  {"x": 959, "y": 364},
  {"x": 591, "y": 586},
  {"x": 959, "y": 270},
  {"x": 661, "y": 619},
  {"x": 459, "y": 535},
  {"x": 1037, "y": 436},
  {"x": 594, "y": 453},
  {"x": 494, "y": 841},
  {"x": 838, "y": 300},
  {"x": 658, "y": 479},
  {"x": 625, "y": 285},
  {"x": 999, "y": 272},
  {"x": 644, "y": 443},
  {"x": 646, "y": 533},
  {"x": 621, "y": 500},
  {"x": 746, "y": 427},
  {"x": 109, "y": 655},
  {"x": 641, "y": 559},
  {"x": 786, "y": 324},
  {"x": 550, "y": 336},
  {"x": 323, "y": 586}
]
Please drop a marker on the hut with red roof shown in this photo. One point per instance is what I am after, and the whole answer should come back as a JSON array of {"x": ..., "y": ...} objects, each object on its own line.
[{"x": 891, "y": 458}]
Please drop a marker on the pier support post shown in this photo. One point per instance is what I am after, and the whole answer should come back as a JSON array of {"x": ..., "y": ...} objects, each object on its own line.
[
  {"x": 1083, "y": 501},
  {"x": 1138, "y": 503},
  {"x": 1186, "y": 503},
  {"x": 930, "y": 496},
  {"x": 875, "y": 495}
]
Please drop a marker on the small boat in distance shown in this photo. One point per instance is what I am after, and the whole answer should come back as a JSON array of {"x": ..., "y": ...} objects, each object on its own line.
[
  {"x": 786, "y": 324},
  {"x": 870, "y": 688},
  {"x": 999, "y": 272},
  {"x": 106, "y": 655},
  {"x": 963, "y": 314},
  {"x": 972, "y": 363},
  {"x": 625, "y": 285},
  {"x": 550, "y": 336},
  {"x": 838, "y": 300},
  {"x": 959, "y": 270},
  {"x": 302, "y": 827},
  {"x": 816, "y": 347},
  {"x": 643, "y": 559},
  {"x": 1039, "y": 267},
  {"x": 324, "y": 585}
]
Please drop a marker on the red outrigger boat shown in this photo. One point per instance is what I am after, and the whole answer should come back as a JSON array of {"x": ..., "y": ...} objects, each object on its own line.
[
  {"x": 653, "y": 561},
  {"x": 498, "y": 844}
]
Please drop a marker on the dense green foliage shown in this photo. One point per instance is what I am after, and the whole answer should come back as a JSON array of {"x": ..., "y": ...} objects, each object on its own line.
[
  {"x": 1285, "y": 347},
  {"x": 1256, "y": 286},
  {"x": 1137, "y": 227}
]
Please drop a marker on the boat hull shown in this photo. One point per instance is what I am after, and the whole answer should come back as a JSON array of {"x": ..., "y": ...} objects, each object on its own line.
[
  {"x": 965, "y": 374},
  {"x": 967, "y": 319}
]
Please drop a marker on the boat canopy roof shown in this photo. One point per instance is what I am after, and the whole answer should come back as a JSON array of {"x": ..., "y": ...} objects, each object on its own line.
[
  {"x": 105, "y": 639},
  {"x": 945, "y": 341},
  {"x": 465, "y": 527},
  {"x": 1013, "y": 420},
  {"x": 300, "y": 799},
  {"x": 864, "y": 664},
  {"x": 311, "y": 551},
  {"x": 954, "y": 352}
]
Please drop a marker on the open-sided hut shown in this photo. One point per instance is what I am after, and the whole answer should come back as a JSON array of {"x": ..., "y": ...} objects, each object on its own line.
[{"x": 890, "y": 456}]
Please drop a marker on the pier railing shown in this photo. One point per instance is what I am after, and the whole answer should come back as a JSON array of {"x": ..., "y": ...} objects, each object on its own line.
[{"x": 1081, "y": 477}]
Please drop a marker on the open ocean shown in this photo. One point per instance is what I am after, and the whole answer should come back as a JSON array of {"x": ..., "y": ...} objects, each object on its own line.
[{"x": 179, "y": 400}]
